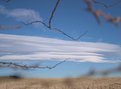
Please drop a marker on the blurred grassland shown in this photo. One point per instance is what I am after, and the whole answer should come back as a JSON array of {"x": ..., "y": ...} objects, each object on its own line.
[{"x": 62, "y": 83}]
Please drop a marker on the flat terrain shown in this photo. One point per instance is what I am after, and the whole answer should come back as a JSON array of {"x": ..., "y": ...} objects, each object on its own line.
[{"x": 68, "y": 83}]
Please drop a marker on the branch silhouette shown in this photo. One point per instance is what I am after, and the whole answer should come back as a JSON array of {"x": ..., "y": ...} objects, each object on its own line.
[
  {"x": 50, "y": 27},
  {"x": 98, "y": 13},
  {"x": 53, "y": 12},
  {"x": 56, "y": 30},
  {"x": 105, "y": 5},
  {"x": 26, "y": 67}
]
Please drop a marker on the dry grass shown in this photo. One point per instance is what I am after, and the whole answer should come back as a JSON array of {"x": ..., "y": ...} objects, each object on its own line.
[{"x": 68, "y": 83}]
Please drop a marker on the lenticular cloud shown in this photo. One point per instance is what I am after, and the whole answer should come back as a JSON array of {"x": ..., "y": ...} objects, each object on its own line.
[{"x": 18, "y": 47}]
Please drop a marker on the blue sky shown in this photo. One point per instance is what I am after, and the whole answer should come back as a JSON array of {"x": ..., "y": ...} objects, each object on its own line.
[{"x": 100, "y": 48}]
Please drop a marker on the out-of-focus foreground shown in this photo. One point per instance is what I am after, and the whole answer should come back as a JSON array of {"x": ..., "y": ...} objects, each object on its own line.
[{"x": 67, "y": 83}]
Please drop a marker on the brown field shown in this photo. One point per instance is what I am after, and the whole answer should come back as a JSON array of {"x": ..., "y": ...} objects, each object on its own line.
[{"x": 68, "y": 83}]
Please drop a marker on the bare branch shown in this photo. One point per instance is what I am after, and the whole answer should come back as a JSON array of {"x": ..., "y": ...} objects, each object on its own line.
[
  {"x": 98, "y": 13},
  {"x": 60, "y": 31},
  {"x": 105, "y": 5},
  {"x": 53, "y": 12},
  {"x": 26, "y": 67},
  {"x": 38, "y": 21},
  {"x": 49, "y": 25},
  {"x": 55, "y": 30},
  {"x": 91, "y": 10}
]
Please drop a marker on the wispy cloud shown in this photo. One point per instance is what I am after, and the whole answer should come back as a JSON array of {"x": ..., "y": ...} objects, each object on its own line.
[
  {"x": 21, "y": 14},
  {"x": 5, "y": 27},
  {"x": 16, "y": 47}
]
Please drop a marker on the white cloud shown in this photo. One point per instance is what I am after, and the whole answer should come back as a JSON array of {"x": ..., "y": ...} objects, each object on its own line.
[
  {"x": 20, "y": 14},
  {"x": 16, "y": 47}
]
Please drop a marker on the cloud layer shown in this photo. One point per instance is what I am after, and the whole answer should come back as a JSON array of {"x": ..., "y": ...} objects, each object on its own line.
[
  {"x": 20, "y": 14},
  {"x": 16, "y": 47}
]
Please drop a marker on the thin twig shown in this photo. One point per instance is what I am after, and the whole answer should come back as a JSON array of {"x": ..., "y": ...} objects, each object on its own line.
[
  {"x": 60, "y": 31},
  {"x": 105, "y": 5},
  {"x": 37, "y": 21},
  {"x": 53, "y": 12}
]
